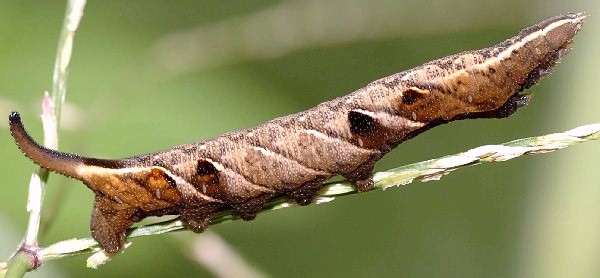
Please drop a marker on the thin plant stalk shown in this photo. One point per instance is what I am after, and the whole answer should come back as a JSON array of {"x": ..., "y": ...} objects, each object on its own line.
[
  {"x": 26, "y": 258},
  {"x": 424, "y": 171}
]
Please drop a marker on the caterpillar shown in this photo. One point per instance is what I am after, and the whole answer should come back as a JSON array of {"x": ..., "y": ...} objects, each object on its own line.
[{"x": 293, "y": 155}]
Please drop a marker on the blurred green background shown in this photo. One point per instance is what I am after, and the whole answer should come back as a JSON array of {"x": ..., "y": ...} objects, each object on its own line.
[{"x": 147, "y": 75}]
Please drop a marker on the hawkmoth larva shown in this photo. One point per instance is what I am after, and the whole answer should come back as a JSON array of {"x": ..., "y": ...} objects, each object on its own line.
[{"x": 293, "y": 155}]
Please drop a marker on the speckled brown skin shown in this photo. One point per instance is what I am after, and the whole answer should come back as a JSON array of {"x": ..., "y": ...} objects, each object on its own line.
[{"x": 295, "y": 154}]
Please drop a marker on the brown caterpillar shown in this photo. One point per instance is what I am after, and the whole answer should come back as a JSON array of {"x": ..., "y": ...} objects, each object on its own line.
[{"x": 293, "y": 155}]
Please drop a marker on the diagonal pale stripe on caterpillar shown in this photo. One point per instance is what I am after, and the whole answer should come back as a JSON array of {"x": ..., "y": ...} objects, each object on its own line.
[{"x": 293, "y": 155}]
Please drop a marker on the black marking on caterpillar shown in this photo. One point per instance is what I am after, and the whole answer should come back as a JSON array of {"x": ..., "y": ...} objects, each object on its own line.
[
  {"x": 361, "y": 123},
  {"x": 293, "y": 155}
]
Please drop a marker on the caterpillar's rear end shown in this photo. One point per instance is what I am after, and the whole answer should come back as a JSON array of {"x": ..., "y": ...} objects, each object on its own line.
[{"x": 295, "y": 154}]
